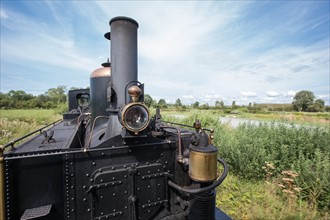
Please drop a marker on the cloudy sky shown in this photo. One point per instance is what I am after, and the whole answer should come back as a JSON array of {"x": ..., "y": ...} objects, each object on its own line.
[{"x": 247, "y": 51}]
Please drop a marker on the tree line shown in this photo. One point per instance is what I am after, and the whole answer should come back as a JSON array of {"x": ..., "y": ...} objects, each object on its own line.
[
  {"x": 19, "y": 99},
  {"x": 303, "y": 101}
]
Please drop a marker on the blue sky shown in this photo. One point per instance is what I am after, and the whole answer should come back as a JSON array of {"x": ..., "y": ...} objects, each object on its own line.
[{"x": 247, "y": 51}]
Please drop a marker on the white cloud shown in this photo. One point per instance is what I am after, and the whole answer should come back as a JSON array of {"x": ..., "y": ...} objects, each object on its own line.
[
  {"x": 184, "y": 47},
  {"x": 212, "y": 95},
  {"x": 272, "y": 94},
  {"x": 191, "y": 97},
  {"x": 44, "y": 44},
  {"x": 170, "y": 101},
  {"x": 323, "y": 96},
  {"x": 3, "y": 13},
  {"x": 249, "y": 94},
  {"x": 291, "y": 93}
]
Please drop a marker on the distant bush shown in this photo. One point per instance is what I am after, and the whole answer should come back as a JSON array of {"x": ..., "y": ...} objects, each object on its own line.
[{"x": 61, "y": 108}]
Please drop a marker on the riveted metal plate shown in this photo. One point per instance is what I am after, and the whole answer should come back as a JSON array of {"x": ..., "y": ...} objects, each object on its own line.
[
  {"x": 109, "y": 186},
  {"x": 150, "y": 183}
]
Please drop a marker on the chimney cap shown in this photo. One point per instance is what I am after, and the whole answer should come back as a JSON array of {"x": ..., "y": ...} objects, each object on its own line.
[{"x": 124, "y": 19}]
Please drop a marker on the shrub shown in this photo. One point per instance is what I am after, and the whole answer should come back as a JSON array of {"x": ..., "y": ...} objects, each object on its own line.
[{"x": 304, "y": 149}]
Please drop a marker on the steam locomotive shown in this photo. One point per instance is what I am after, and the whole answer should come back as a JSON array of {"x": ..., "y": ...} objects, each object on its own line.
[{"x": 108, "y": 158}]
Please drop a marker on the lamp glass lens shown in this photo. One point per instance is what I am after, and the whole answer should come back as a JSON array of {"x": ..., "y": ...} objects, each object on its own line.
[{"x": 136, "y": 117}]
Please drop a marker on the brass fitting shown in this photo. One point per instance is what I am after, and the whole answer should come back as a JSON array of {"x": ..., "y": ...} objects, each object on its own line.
[
  {"x": 203, "y": 165},
  {"x": 211, "y": 137},
  {"x": 197, "y": 125},
  {"x": 135, "y": 93}
]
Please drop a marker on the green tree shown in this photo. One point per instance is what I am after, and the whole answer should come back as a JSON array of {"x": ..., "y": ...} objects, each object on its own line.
[
  {"x": 178, "y": 103},
  {"x": 33, "y": 103},
  {"x": 318, "y": 106},
  {"x": 233, "y": 105},
  {"x": 219, "y": 104},
  {"x": 303, "y": 100},
  {"x": 43, "y": 98},
  {"x": 205, "y": 106},
  {"x": 154, "y": 103},
  {"x": 19, "y": 95},
  {"x": 162, "y": 103},
  {"x": 5, "y": 101},
  {"x": 17, "y": 99},
  {"x": 148, "y": 100},
  {"x": 57, "y": 94},
  {"x": 196, "y": 104}
]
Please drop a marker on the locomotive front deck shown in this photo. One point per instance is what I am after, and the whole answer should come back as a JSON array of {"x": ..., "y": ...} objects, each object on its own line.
[
  {"x": 63, "y": 131},
  {"x": 80, "y": 184}
]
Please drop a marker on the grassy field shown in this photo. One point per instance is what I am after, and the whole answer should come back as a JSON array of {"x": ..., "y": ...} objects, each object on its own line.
[
  {"x": 305, "y": 118},
  {"x": 16, "y": 123},
  {"x": 260, "y": 158}
]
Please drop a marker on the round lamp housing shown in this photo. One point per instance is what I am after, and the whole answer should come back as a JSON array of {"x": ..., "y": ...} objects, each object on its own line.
[{"x": 135, "y": 117}]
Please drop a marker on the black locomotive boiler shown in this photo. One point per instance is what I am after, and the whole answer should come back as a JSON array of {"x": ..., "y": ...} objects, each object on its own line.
[{"x": 110, "y": 159}]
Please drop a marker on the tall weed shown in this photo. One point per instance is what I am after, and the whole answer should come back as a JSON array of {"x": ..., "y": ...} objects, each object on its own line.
[
  {"x": 304, "y": 149},
  {"x": 250, "y": 199}
]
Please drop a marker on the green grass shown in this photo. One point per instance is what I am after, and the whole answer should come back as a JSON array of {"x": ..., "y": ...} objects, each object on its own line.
[
  {"x": 305, "y": 118},
  {"x": 41, "y": 116},
  {"x": 248, "y": 199},
  {"x": 302, "y": 118},
  {"x": 16, "y": 123},
  {"x": 304, "y": 149}
]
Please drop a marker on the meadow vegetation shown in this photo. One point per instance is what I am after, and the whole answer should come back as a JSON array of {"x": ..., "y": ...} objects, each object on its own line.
[
  {"x": 253, "y": 190},
  {"x": 15, "y": 123},
  {"x": 277, "y": 171}
]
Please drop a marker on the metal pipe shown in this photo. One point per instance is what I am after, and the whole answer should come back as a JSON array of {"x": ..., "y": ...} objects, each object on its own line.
[
  {"x": 180, "y": 157},
  {"x": 188, "y": 126},
  {"x": 204, "y": 189},
  {"x": 92, "y": 130},
  {"x": 123, "y": 55},
  {"x": 81, "y": 150},
  {"x": 124, "y": 67}
]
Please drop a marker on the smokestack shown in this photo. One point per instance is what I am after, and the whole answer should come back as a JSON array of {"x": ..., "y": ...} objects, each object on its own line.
[
  {"x": 123, "y": 37},
  {"x": 123, "y": 56}
]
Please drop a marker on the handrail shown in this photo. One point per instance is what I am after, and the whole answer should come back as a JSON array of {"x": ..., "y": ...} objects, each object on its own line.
[
  {"x": 12, "y": 143},
  {"x": 188, "y": 126}
]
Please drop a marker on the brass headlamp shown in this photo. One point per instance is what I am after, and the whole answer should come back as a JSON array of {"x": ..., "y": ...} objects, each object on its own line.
[{"x": 135, "y": 116}]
